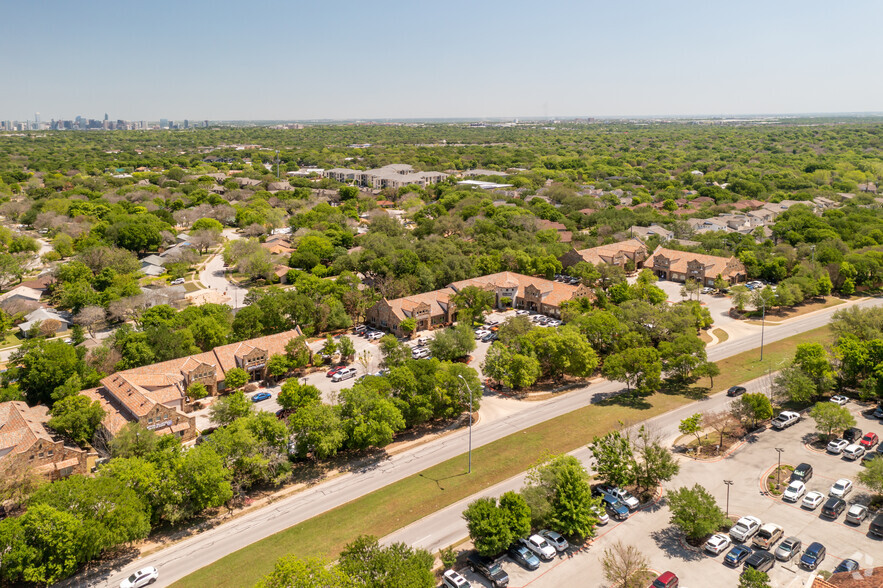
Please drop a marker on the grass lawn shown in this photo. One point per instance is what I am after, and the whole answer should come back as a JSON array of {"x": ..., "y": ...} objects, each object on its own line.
[
  {"x": 721, "y": 335},
  {"x": 401, "y": 503},
  {"x": 774, "y": 318},
  {"x": 10, "y": 340}
]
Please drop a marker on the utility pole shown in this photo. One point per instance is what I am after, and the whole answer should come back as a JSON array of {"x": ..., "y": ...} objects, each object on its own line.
[
  {"x": 728, "y": 483},
  {"x": 277, "y": 165},
  {"x": 470, "y": 421},
  {"x": 779, "y": 469},
  {"x": 762, "y": 323}
]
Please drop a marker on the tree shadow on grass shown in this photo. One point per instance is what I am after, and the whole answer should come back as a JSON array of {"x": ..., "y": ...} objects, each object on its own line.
[
  {"x": 684, "y": 388},
  {"x": 627, "y": 398},
  {"x": 669, "y": 541}
]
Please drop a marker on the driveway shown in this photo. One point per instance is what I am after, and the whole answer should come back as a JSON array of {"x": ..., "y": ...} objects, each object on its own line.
[{"x": 214, "y": 277}]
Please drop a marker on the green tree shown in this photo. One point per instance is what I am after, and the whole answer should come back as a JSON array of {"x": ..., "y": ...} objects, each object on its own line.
[
  {"x": 562, "y": 351},
  {"x": 304, "y": 573},
  {"x": 397, "y": 566},
  {"x": 133, "y": 440},
  {"x": 43, "y": 546},
  {"x": 330, "y": 347},
  {"x": 692, "y": 425},
  {"x": 295, "y": 395},
  {"x": 317, "y": 431},
  {"x": 830, "y": 417},
  {"x": 369, "y": 419},
  {"x": 614, "y": 458},
  {"x": 813, "y": 360},
  {"x": 572, "y": 504},
  {"x": 203, "y": 483},
  {"x": 707, "y": 369},
  {"x": 209, "y": 224},
  {"x": 655, "y": 463},
  {"x": 345, "y": 347},
  {"x": 474, "y": 300},
  {"x": 695, "y": 512},
  {"x": 43, "y": 366},
  {"x": 297, "y": 352},
  {"x": 452, "y": 343},
  {"x": 408, "y": 325},
  {"x": 393, "y": 352},
  {"x": 196, "y": 391},
  {"x": 236, "y": 378},
  {"x": 872, "y": 475},
  {"x": 752, "y": 578},
  {"x": 639, "y": 367},
  {"x": 278, "y": 365},
  {"x": 229, "y": 408},
  {"x": 76, "y": 417},
  {"x": 493, "y": 526},
  {"x": 683, "y": 355},
  {"x": 793, "y": 383},
  {"x": 753, "y": 407},
  {"x": 513, "y": 370}
]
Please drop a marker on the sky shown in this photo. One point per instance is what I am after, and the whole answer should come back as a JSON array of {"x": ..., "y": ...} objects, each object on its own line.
[{"x": 335, "y": 59}]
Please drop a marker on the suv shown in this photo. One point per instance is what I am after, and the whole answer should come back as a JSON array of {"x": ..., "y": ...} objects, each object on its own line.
[
  {"x": 833, "y": 507},
  {"x": 853, "y": 451},
  {"x": 665, "y": 580},
  {"x": 762, "y": 561},
  {"x": 767, "y": 536},
  {"x": 852, "y": 434},
  {"x": 813, "y": 556},
  {"x": 877, "y": 526},
  {"x": 542, "y": 548},
  {"x": 451, "y": 579},
  {"x": 803, "y": 472},
  {"x": 736, "y": 390},
  {"x": 489, "y": 568},
  {"x": 785, "y": 419}
]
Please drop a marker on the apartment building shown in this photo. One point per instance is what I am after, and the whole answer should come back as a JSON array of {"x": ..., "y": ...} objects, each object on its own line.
[
  {"x": 619, "y": 254},
  {"x": 25, "y": 441},
  {"x": 679, "y": 266},
  {"x": 392, "y": 176}
]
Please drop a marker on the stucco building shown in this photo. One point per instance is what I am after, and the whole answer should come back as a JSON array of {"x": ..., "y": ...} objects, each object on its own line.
[
  {"x": 678, "y": 266},
  {"x": 618, "y": 254},
  {"x": 25, "y": 441}
]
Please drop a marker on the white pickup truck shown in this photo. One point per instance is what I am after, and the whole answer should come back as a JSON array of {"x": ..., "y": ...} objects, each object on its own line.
[{"x": 785, "y": 419}]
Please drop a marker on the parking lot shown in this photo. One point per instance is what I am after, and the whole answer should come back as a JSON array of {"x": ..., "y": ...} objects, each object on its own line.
[{"x": 747, "y": 467}]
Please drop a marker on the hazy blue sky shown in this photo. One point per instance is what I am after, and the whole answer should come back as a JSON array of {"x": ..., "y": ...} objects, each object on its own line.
[{"x": 458, "y": 58}]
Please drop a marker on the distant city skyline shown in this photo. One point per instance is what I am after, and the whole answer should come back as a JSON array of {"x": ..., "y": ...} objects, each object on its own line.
[{"x": 340, "y": 60}]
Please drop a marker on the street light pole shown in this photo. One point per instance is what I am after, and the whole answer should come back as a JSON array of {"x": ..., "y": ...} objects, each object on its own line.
[
  {"x": 762, "y": 324},
  {"x": 779, "y": 468},
  {"x": 470, "y": 421},
  {"x": 728, "y": 483}
]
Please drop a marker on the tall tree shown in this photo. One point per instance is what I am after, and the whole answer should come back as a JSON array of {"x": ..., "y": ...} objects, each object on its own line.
[
  {"x": 474, "y": 300},
  {"x": 614, "y": 458},
  {"x": 695, "y": 511},
  {"x": 77, "y": 417},
  {"x": 624, "y": 566}
]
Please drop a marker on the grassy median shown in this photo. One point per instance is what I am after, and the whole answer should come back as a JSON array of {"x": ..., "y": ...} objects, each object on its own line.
[{"x": 401, "y": 503}]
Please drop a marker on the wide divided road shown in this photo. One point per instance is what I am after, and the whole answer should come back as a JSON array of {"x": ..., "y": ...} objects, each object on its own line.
[{"x": 184, "y": 557}]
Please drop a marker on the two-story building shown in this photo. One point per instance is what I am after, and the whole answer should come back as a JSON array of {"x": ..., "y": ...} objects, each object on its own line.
[
  {"x": 25, "y": 442},
  {"x": 679, "y": 266},
  {"x": 620, "y": 254}
]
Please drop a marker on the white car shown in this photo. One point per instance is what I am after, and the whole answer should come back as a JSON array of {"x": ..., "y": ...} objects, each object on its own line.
[
  {"x": 374, "y": 335},
  {"x": 745, "y": 528},
  {"x": 555, "y": 539},
  {"x": 542, "y": 548},
  {"x": 344, "y": 374},
  {"x": 602, "y": 516},
  {"x": 841, "y": 488},
  {"x": 853, "y": 451},
  {"x": 177, "y": 281},
  {"x": 812, "y": 500},
  {"x": 451, "y": 579},
  {"x": 785, "y": 419},
  {"x": 838, "y": 399},
  {"x": 522, "y": 312},
  {"x": 794, "y": 491},
  {"x": 837, "y": 446},
  {"x": 480, "y": 333},
  {"x": 142, "y": 577},
  {"x": 717, "y": 543}
]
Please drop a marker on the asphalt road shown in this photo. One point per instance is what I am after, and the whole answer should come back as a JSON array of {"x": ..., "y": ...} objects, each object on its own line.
[{"x": 187, "y": 556}]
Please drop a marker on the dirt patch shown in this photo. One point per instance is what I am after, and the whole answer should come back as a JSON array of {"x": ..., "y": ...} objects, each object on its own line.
[
  {"x": 777, "y": 481},
  {"x": 710, "y": 448},
  {"x": 704, "y": 336}
]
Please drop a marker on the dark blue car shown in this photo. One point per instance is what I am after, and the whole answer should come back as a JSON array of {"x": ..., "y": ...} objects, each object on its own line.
[
  {"x": 737, "y": 555},
  {"x": 813, "y": 556},
  {"x": 847, "y": 565},
  {"x": 261, "y": 396},
  {"x": 619, "y": 511},
  {"x": 524, "y": 556}
]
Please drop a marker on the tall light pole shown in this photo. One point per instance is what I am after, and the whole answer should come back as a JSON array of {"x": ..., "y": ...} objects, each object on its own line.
[
  {"x": 728, "y": 483},
  {"x": 465, "y": 383},
  {"x": 779, "y": 469},
  {"x": 762, "y": 323}
]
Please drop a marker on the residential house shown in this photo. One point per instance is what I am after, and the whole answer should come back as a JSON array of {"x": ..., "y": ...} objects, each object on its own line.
[
  {"x": 392, "y": 176},
  {"x": 564, "y": 236},
  {"x": 25, "y": 441},
  {"x": 620, "y": 254},
  {"x": 245, "y": 182},
  {"x": 482, "y": 172},
  {"x": 435, "y": 309},
  {"x": 644, "y": 233},
  {"x": 155, "y": 395},
  {"x": 678, "y": 266},
  {"x": 44, "y": 315}
]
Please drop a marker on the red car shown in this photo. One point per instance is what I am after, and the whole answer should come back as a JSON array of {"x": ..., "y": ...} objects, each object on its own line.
[
  {"x": 666, "y": 580},
  {"x": 334, "y": 370},
  {"x": 869, "y": 440}
]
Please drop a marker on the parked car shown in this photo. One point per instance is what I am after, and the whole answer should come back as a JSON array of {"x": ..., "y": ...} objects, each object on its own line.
[
  {"x": 761, "y": 561},
  {"x": 839, "y": 400},
  {"x": 260, "y": 396},
  {"x": 375, "y": 335},
  {"x": 837, "y": 446},
  {"x": 707, "y": 290},
  {"x": 556, "y": 540},
  {"x": 451, "y": 579},
  {"x": 717, "y": 543},
  {"x": 523, "y": 556},
  {"x": 334, "y": 370},
  {"x": 841, "y": 488},
  {"x": 521, "y": 312},
  {"x": 788, "y": 549},
  {"x": 665, "y": 580},
  {"x": 853, "y": 434},
  {"x": 489, "y": 568},
  {"x": 344, "y": 374},
  {"x": 812, "y": 500},
  {"x": 745, "y": 528},
  {"x": 847, "y": 565},
  {"x": 802, "y": 472},
  {"x": 853, "y": 451},
  {"x": 869, "y": 440},
  {"x": 833, "y": 507},
  {"x": 737, "y": 555},
  {"x": 794, "y": 491},
  {"x": 813, "y": 556},
  {"x": 616, "y": 508},
  {"x": 878, "y": 412},
  {"x": 736, "y": 391},
  {"x": 785, "y": 419},
  {"x": 767, "y": 536},
  {"x": 602, "y": 516},
  {"x": 623, "y": 495},
  {"x": 869, "y": 455},
  {"x": 541, "y": 547},
  {"x": 856, "y": 514},
  {"x": 142, "y": 577},
  {"x": 177, "y": 281}
]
